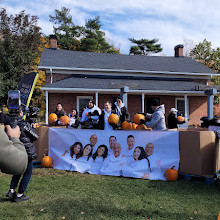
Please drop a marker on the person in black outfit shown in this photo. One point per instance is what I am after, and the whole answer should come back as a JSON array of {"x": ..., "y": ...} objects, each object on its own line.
[
  {"x": 103, "y": 118},
  {"x": 59, "y": 112},
  {"x": 27, "y": 137},
  {"x": 121, "y": 110},
  {"x": 2, "y": 115},
  {"x": 74, "y": 118},
  {"x": 172, "y": 119}
]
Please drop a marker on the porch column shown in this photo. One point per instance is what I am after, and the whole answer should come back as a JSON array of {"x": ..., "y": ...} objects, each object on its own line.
[
  {"x": 142, "y": 102},
  {"x": 124, "y": 91},
  {"x": 97, "y": 98},
  {"x": 47, "y": 114},
  {"x": 185, "y": 106},
  {"x": 210, "y": 98}
]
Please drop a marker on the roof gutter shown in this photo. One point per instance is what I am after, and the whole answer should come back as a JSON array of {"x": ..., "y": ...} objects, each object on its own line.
[
  {"x": 83, "y": 90},
  {"x": 126, "y": 71}
]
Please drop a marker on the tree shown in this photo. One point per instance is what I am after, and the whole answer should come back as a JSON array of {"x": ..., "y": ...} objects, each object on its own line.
[
  {"x": 80, "y": 38},
  {"x": 144, "y": 46},
  {"x": 19, "y": 49},
  {"x": 94, "y": 39},
  {"x": 205, "y": 54},
  {"x": 67, "y": 32}
]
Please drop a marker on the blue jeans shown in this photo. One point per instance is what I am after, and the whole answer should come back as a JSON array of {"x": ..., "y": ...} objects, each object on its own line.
[{"x": 26, "y": 176}]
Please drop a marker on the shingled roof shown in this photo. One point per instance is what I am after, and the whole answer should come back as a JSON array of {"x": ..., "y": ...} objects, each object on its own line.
[{"x": 88, "y": 60}]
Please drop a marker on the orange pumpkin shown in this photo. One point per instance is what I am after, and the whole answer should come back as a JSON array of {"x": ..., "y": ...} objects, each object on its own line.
[
  {"x": 126, "y": 125},
  {"x": 52, "y": 117},
  {"x": 138, "y": 117},
  {"x": 143, "y": 127},
  {"x": 180, "y": 118},
  {"x": 113, "y": 118},
  {"x": 134, "y": 126},
  {"x": 171, "y": 174},
  {"x": 65, "y": 120},
  {"x": 46, "y": 161}
]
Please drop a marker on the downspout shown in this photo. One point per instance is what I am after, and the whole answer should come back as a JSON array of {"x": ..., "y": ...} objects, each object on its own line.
[{"x": 51, "y": 76}]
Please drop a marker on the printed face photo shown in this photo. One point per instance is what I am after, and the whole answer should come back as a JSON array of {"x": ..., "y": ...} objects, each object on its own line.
[
  {"x": 87, "y": 150},
  {"x": 101, "y": 151},
  {"x": 149, "y": 149},
  {"x": 112, "y": 142},
  {"x": 130, "y": 142},
  {"x": 77, "y": 149},
  {"x": 137, "y": 153},
  {"x": 93, "y": 140}
]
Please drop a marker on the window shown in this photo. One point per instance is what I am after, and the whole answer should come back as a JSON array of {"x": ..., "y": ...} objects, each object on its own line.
[
  {"x": 82, "y": 102},
  {"x": 180, "y": 106}
]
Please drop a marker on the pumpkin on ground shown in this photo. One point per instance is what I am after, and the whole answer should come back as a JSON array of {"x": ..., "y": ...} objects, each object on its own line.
[
  {"x": 180, "y": 118},
  {"x": 138, "y": 117},
  {"x": 113, "y": 118},
  {"x": 171, "y": 174},
  {"x": 52, "y": 117},
  {"x": 46, "y": 161},
  {"x": 126, "y": 125},
  {"x": 65, "y": 120}
]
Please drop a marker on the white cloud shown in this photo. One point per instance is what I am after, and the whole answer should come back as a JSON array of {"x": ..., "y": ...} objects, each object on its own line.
[{"x": 170, "y": 21}]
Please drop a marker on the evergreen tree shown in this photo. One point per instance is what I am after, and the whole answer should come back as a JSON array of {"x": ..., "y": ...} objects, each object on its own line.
[
  {"x": 19, "y": 49},
  {"x": 144, "y": 46},
  {"x": 67, "y": 32}
]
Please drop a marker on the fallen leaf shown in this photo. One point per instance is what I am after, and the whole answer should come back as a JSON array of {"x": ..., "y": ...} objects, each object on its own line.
[
  {"x": 190, "y": 217},
  {"x": 63, "y": 217},
  {"x": 82, "y": 213},
  {"x": 42, "y": 210}
]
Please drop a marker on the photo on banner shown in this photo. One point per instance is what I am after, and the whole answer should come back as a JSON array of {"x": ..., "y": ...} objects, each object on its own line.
[{"x": 131, "y": 153}]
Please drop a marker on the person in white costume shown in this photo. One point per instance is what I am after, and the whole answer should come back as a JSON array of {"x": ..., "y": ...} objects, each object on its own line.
[
  {"x": 82, "y": 164},
  {"x": 98, "y": 158},
  {"x": 139, "y": 167},
  {"x": 75, "y": 152},
  {"x": 90, "y": 116},
  {"x": 112, "y": 143},
  {"x": 114, "y": 163},
  {"x": 129, "y": 151}
]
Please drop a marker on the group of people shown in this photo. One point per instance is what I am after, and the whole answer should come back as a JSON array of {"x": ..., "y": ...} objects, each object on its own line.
[
  {"x": 113, "y": 160},
  {"x": 95, "y": 118}
]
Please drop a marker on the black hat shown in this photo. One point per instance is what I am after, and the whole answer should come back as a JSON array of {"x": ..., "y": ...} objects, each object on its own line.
[
  {"x": 155, "y": 102},
  {"x": 119, "y": 98}
]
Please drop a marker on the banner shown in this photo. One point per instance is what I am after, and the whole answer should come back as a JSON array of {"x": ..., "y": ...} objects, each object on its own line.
[
  {"x": 26, "y": 87},
  {"x": 131, "y": 153}
]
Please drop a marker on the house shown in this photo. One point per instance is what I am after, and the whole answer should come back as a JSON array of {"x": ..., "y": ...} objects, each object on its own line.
[{"x": 73, "y": 77}]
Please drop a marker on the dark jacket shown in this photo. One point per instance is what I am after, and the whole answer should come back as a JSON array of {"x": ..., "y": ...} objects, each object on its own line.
[
  {"x": 27, "y": 137},
  {"x": 101, "y": 123},
  {"x": 173, "y": 122},
  {"x": 60, "y": 113},
  {"x": 124, "y": 114},
  {"x": 2, "y": 117}
]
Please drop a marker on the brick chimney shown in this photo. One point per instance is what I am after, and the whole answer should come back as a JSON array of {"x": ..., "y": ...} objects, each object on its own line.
[
  {"x": 178, "y": 50},
  {"x": 53, "y": 41}
]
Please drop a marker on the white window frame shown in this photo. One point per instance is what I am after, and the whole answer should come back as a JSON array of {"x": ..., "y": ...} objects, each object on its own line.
[
  {"x": 81, "y": 97},
  {"x": 187, "y": 106}
]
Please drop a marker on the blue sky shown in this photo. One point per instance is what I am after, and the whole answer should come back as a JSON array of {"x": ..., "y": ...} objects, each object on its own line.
[{"x": 173, "y": 22}]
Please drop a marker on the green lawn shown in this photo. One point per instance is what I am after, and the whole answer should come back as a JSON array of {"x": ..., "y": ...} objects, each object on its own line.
[{"x": 59, "y": 194}]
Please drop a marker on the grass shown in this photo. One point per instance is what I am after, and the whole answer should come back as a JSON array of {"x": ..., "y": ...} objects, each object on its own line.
[{"x": 59, "y": 194}]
